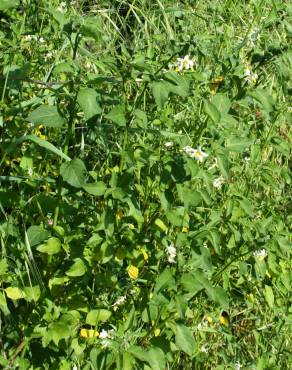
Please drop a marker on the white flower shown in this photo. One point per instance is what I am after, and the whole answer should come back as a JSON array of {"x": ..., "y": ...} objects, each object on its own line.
[
  {"x": 182, "y": 64},
  {"x": 41, "y": 40},
  {"x": 198, "y": 153},
  {"x": 120, "y": 301},
  {"x": 253, "y": 37},
  {"x": 204, "y": 348},
  {"x": 30, "y": 171},
  {"x": 62, "y": 7},
  {"x": 103, "y": 334},
  {"x": 289, "y": 109},
  {"x": 74, "y": 367},
  {"x": 260, "y": 254},
  {"x": 250, "y": 76},
  {"x": 237, "y": 366},
  {"x": 29, "y": 38},
  {"x": 217, "y": 183},
  {"x": 168, "y": 144},
  {"x": 202, "y": 325},
  {"x": 171, "y": 251},
  {"x": 49, "y": 55}
]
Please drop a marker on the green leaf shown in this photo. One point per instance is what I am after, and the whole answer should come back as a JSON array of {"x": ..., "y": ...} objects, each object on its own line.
[
  {"x": 87, "y": 99},
  {"x": 164, "y": 280},
  {"x": 212, "y": 111},
  {"x": 177, "y": 84},
  {"x": 36, "y": 234},
  {"x": 222, "y": 103},
  {"x": 117, "y": 115},
  {"x": 156, "y": 358},
  {"x": 238, "y": 144},
  {"x": 46, "y": 115},
  {"x": 161, "y": 92},
  {"x": 184, "y": 339},
  {"x": 61, "y": 329},
  {"x": 77, "y": 269},
  {"x": 264, "y": 98},
  {"x": 98, "y": 188},
  {"x": 3, "y": 266},
  {"x": 269, "y": 295},
  {"x": 14, "y": 293},
  {"x": 7, "y": 4},
  {"x": 32, "y": 293},
  {"x": 191, "y": 283},
  {"x": 43, "y": 143},
  {"x": 188, "y": 196},
  {"x": 3, "y": 305},
  {"x": 95, "y": 316},
  {"x": 74, "y": 172},
  {"x": 52, "y": 246}
]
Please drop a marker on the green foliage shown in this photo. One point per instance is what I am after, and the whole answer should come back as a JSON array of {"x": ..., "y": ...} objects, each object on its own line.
[{"x": 145, "y": 202}]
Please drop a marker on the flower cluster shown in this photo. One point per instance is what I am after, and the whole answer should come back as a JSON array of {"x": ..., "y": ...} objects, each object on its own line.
[
  {"x": 249, "y": 76},
  {"x": 253, "y": 37},
  {"x": 182, "y": 64},
  {"x": 106, "y": 337},
  {"x": 260, "y": 254},
  {"x": 218, "y": 182},
  {"x": 198, "y": 153},
  {"x": 171, "y": 251}
]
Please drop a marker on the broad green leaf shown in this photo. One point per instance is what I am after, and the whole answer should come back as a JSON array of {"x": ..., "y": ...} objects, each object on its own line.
[
  {"x": 185, "y": 340},
  {"x": 14, "y": 293},
  {"x": 269, "y": 295},
  {"x": 222, "y": 103},
  {"x": 177, "y": 84},
  {"x": 98, "y": 188},
  {"x": 264, "y": 98},
  {"x": 7, "y": 4},
  {"x": 212, "y": 111},
  {"x": 77, "y": 269},
  {"x": 46, "y": 115},
  {"x": 61, "y": 329},
  {"x": 161, "y": 225},
  {"x": 3, "y": 304},
  {"x": 188, "y": 196},
  {"x": 95, "y": 316},
  {"x": 139, "y": 353},
  {"x": 74, "y": 172},
  {"x": 161, "y": 92},
  {"x": 36, "y": 234},
  {"x": 164, "y": 280},
  {"x": 117, "y": 115},
  {"x": 238, "y": 144},
  {"x": 43, "y": 143},
  {"x": 32, "y": 293},
  {"x": 87, "y": 99},
  {"x": 191, "y": 283},
  {"x": 3, "y": 266},
  {"x": 52, "y": 246},
  {"x": 156, "y": 358}
]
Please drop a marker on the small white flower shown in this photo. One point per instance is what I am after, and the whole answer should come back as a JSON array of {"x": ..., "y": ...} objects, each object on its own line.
[
  {"x": 250, "y": 76},
  {"x": 260, "y": 254},
  {"x": 168, "y": 144},
  {"x": 289, "y": 109},
  {"x": 217, "y": 183},
  {"x": 30, "y": 171},
  {"x": 237, "y": 366},
  {"x": 171, "y": 251},
  {"x": 74, "y": 367},
  {"x": 41, "y": 40},
  {"x": 202, "y": 325},
  {"x": 62, "y": 7},
  {"x": 198, "y": 153},
  {"x": 103, "y": 334},
  {"x": 49, "y": 55},
  {"x": 204, "y": 348},
  {"x": 120, "y": 301},
  {"x": 182, "y": 64}
]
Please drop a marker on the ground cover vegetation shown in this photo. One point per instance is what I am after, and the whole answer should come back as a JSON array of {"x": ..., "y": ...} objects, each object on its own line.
[{"x": 144, "y": 201}]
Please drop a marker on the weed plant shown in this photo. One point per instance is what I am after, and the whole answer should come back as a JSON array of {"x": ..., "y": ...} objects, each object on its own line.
[{"x": 145, "y": 198}]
